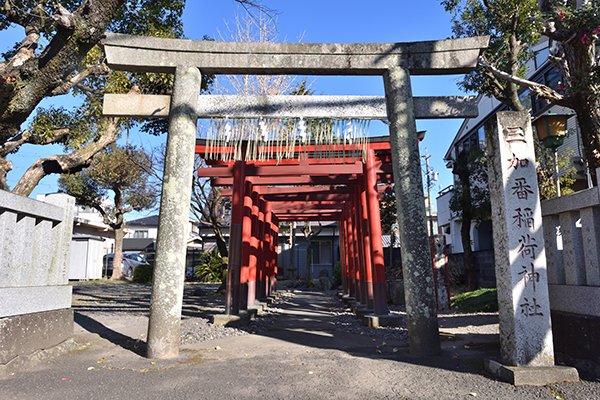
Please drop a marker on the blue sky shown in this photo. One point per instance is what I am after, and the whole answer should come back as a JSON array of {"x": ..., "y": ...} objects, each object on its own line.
[{"x": 341, "y": 21}]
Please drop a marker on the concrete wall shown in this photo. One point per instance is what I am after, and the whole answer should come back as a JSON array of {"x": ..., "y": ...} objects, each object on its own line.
[
  {"x": 35, "y": 297},
  {"x": 484, "y": 262}
]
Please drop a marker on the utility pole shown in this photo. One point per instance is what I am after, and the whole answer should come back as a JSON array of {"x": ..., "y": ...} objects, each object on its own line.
[{"x": 428, "y": 174}]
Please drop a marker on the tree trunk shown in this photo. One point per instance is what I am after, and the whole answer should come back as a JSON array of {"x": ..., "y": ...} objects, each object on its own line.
[
  {"x": 118, "y": 254},
  {"x": 309, "y": 251},
  {"x": 221, "y": 242},
  {"x": 588, "y": 116},
  {"x": 5, "y": 168}
]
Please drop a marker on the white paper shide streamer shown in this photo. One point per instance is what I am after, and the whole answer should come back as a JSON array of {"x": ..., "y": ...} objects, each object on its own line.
[{"x": 263, "y": 139}]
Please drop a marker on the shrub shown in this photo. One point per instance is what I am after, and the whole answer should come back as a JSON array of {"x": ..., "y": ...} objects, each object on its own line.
[
  {"x": 211, "y": 268},
  {"x": 143, "y": 274},
  {"x": 481, "y": 300},
  {"x": 337, "y": 275}
]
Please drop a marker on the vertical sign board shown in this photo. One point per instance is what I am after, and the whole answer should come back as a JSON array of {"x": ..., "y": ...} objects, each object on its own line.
[{"x": 525, "y": 329}]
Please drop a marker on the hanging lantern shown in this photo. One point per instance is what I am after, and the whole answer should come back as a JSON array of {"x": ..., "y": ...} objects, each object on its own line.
[{"x": 552, "y": 129}]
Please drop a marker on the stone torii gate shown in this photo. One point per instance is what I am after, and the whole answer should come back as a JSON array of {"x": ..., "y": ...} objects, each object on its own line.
[{"x": 395, "y": 62}]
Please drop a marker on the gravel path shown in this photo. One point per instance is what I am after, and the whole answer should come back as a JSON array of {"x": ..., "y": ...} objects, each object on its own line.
[{"x": 107, "y": 302}]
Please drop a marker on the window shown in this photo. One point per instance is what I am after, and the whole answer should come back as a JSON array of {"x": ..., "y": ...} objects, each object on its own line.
[
  {"x": 321, "y": 252},
  {"x": 481, "y": 137},
  {"x": 525, "y": 98},
  {"x": 140, "y": 234},
  {"x": 550, "y": 78},
  {"x": 541, "y": 56},
  {"x": 471, "y": 142}
]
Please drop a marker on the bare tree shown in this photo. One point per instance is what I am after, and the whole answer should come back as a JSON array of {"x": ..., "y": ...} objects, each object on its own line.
[{"x": 208, "y": 206}]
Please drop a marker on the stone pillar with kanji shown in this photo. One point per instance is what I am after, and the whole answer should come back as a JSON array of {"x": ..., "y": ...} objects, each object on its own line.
[{"x": 521, "y": 275}]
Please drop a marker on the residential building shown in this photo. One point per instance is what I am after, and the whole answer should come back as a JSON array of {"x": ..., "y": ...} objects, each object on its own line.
[
  {"x": 292, "y": 262},
  {"x": 141, "y": 235},
  {"x": 471, "y": 136}
]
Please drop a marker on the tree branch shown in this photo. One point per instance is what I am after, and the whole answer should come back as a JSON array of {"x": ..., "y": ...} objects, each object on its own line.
[
  {"x": 27, "y": 137},
  {"x": 66, "y": 163},
  {"x": 76, "y": 79},
  {"x": 105, "y": 217},
  {"x": 13, "y": 15},
  {"x": 63, "y": 17},
  {"x": 536, "y": 88}
]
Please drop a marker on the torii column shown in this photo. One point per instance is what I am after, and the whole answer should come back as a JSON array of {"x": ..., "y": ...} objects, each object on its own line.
[
  {"x": 366, "y": 243},
  {"x": 343, "y": 260},
  {"x": 248, "y": 266},
  {"x": 234, "y": 265},
  {"x": 173, "y": 229},
  {"x": 274, "y": 267},
  {"x": 423, "y": 330},
  {"x": 380, "y": 307}
]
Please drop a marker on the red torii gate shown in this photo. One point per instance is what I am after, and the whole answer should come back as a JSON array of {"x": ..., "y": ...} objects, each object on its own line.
[{"x": 267, "y": 192}]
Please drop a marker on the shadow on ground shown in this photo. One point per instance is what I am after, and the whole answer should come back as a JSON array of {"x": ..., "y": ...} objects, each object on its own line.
[
  {"x": 307, "y": 318},
  {"x": 302, "y": 322}
]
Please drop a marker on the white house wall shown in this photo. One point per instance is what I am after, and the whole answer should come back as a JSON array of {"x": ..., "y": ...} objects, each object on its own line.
[{"x": 455, "y": 240}]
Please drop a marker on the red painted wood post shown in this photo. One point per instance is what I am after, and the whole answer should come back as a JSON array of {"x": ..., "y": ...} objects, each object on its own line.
[
  {"x": 246, "y": 246},
  {"x": 232, "y": 301},
  {"x": 349, "y": 254},
  {"x": 261, "y": 256},
  {"x": 253, "y": 256},
  {"x": 380, "y": 300},
  {"x": 269, "y": 245},
  {"x": 358, "y": 259},
  {"x": 343, "y": 261},
  {"x": 273, "y": 269},
  {"x": 361, "y": 249},
  {"x": 366, "y": 241}
]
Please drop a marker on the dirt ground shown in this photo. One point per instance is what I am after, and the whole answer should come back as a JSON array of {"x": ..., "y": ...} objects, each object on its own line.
[{"x": 307, "y": 346}]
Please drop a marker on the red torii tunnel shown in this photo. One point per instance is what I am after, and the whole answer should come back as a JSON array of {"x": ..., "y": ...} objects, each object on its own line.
[{"x": 342, "y": 189}]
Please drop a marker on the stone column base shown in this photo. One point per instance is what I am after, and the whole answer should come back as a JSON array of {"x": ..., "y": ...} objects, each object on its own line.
[
  {"x": 360, "y": 310},
  {"x": 534, "y": 376},
  {"x": 379, "y": 321}
]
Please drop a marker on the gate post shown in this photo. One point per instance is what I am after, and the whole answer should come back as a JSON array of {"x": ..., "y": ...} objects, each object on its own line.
[
  {"x": 374, "y": 219},
  {"x": 173, "y": 228},
  {"x": 234, "y": 262},
  {"x": 423, "y": 331}
]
